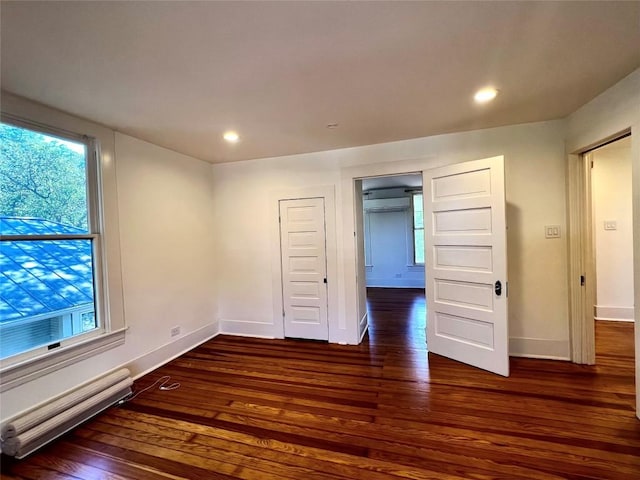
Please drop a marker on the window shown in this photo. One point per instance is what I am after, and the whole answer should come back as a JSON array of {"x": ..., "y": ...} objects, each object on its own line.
[
  {"x": 50, "y": 267},
  {"x": 418, "y": 230}
]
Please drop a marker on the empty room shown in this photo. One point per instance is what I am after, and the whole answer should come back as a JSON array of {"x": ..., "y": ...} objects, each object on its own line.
[{"x": 319, "y": 240}]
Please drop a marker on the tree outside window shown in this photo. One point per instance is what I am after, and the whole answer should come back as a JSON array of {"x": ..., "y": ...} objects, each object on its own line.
[{"x": 47, "y": 243}]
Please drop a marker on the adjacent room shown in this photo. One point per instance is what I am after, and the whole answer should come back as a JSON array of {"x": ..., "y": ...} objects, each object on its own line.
[
  {"x": 319, "y": 240},
  {"x": 393, "y": 236}
]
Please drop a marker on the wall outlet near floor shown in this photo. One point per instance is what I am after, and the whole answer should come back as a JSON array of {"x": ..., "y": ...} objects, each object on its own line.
[
  {"x": 610, "y": 225},
  {"x": 175, "y": 331}
]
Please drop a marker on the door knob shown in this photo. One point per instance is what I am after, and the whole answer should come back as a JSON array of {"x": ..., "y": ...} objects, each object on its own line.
[{"x": 498, "y": 288}]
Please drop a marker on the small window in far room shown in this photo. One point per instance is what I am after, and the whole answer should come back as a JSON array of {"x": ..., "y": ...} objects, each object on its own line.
[{"x": 418, "y": 230}]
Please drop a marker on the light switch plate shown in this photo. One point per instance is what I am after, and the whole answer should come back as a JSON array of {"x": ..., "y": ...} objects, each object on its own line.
[
  {"x": 610, "y": 225},
  {"x": 552, "y": 231}
]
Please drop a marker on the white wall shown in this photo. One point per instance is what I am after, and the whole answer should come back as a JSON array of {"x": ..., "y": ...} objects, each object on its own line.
[
  {"x": 243, "y": 240},
  {"x": 611, "y": 197},
  {"x": 534, "y": 158},
  {"x": 614, "y": 111},
  {"x": 163, "y": 199},
  {"x": 166, "y": 229},
  {"x": 389, "y": 244},
  {"x": 389, "y": 240}
]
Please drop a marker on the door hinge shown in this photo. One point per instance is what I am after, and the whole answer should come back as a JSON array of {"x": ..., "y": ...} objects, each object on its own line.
[
  {"x": 582, "y": 280},
  {"x": 279, "y": 219},
  {"x": 283, "y": 313}
]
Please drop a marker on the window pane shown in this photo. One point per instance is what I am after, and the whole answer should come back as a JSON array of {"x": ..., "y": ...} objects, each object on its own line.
[
  {"x": 42, "y": 178},
  {"x": 418, "y": 229},
  {"x": 88, "y": 321},
  {"x": 417, "y": 211},
  {"x": 46, "y": 292},
  {"x": 418, "y": 242}
]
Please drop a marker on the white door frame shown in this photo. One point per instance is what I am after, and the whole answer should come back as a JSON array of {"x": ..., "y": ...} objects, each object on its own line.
[
  {"x": 328, "y": 194},
  {"x": 581, "y": 264},
  {"x": 305, "y": 219},
  {"x": 582, "y": 253},
  {"x": 354, "y": 290},
  {"x": 581, "y": 258}
]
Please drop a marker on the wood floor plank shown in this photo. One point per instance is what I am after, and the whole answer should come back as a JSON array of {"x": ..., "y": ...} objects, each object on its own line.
[
  {"x": 73, "y": 468},
  {"x": 477, "y": 442},
  {"x": 34, "y": 471},
  {"x": 259, "y": 409},
  {"x": 189, "y": 454},
  {"x": 168, "y": 467},
  {"x": 69, "y": 449}
]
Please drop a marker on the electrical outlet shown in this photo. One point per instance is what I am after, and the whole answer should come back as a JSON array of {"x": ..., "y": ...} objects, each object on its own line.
[
  {"x": 175, "y": 331},
  {"x": 610, "y": 225},
  {"x": 552, "y": 231}
]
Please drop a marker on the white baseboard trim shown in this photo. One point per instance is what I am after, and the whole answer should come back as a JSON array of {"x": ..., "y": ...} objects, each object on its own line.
[
  {"x": 156, "y": 358},
  {"x": 539, "y": 348},
  {"x": 243, "y": 328},
  {"x": 141, "y": 365},
  {"x": 622, "y": 314},
  {"x": 605, "y": 319}
]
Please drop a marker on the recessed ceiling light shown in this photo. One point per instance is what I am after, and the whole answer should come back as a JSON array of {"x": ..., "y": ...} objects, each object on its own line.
[
  {"x": 231, "y": 137},
  {"x": 485, "y": 95}
]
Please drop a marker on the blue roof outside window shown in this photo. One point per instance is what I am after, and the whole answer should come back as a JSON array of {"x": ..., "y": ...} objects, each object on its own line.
[{"x": 42, "y": 277}]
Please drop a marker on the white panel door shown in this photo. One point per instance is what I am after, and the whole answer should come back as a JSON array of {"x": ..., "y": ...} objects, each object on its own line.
[
  {"x": 466, "y": 263},
  {"x": 304, "y": 268}
]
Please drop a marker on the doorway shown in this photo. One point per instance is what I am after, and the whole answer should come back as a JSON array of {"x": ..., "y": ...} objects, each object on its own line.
[
  {"x": 588, "y": 220},
  {"x": 329, "y": 321},
  {"x": 612, "y": 226},
  {"x": 465, "y": 268},
  {"x": 612, "y": 234},
  {"x": 598, "y": 220},
  {"x": 304, "y": 268},
  {"x": 393, "y": 256}
]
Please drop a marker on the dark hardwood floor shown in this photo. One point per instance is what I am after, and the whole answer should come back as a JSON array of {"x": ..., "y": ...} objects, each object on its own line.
[{"x": 284, "y": 409}]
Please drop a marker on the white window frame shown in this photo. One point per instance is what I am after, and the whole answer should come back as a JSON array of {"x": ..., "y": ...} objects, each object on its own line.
[
  {"x": 413, "y": 229},
  {"x": 367, "y": 239},
  {"x": 22, "y": 368}
]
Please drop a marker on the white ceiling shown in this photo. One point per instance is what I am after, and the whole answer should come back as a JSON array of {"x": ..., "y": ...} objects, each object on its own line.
[{"x": 179, "y": 74}]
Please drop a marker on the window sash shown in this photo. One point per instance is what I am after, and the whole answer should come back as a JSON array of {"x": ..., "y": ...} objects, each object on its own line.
[
  {"x": 95, "y": 223},
  {"x": 416, "y": 228}
]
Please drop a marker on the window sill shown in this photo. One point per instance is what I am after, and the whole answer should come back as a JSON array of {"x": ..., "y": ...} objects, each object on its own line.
[
  {"x": 20, "y": 373},
  {"x": 417, "y": 267}
]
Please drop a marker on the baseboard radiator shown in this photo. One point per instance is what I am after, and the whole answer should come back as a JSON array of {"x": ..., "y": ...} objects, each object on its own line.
[{"x": 26, "y": 433}]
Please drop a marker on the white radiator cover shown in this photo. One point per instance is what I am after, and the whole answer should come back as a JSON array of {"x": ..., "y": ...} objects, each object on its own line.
[{"x": 28, "y": 432}]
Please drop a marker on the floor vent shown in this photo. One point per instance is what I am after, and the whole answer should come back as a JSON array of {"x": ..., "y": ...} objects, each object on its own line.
[{"x": 26, "y": 433}]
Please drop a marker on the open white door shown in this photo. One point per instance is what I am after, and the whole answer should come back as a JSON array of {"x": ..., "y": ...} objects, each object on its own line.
[
  {"x": 466, "y": 263},
  {"x": 304, "y": 268}
]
